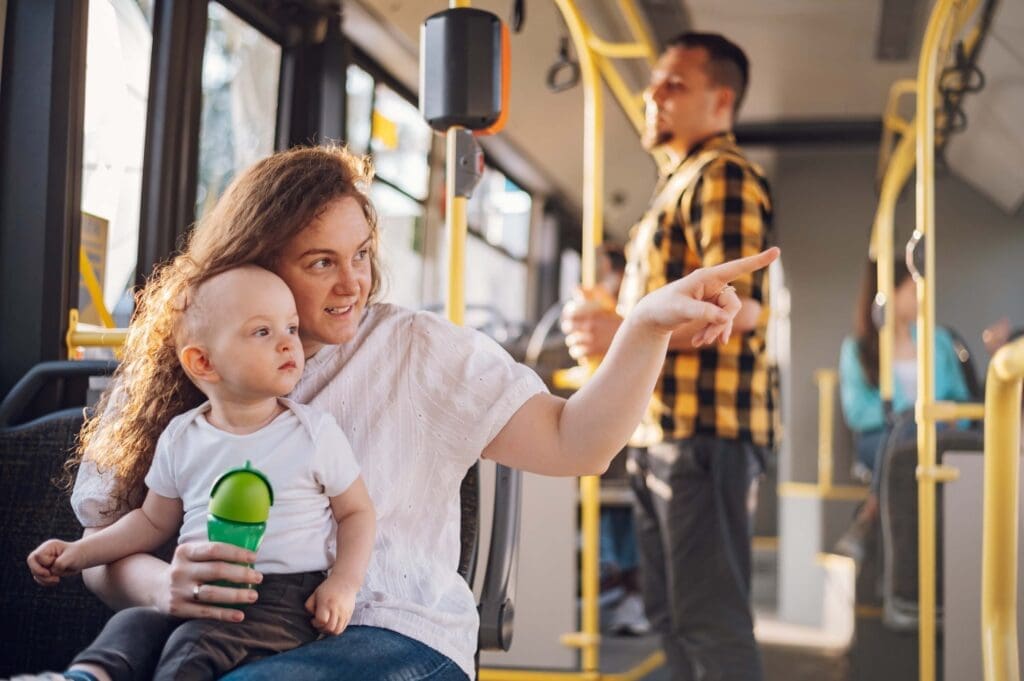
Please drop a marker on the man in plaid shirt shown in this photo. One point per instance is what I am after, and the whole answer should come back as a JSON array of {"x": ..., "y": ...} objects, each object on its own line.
[{"x": 709, "y": 425}]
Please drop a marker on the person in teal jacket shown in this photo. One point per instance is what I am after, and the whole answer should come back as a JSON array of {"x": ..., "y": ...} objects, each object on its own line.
[{"x": 858, "y": 384}]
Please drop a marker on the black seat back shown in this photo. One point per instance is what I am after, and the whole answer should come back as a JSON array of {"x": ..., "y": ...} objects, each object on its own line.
[
  {"x": 469, "y": 497},
  {"x": 41, "y": 628},
  {"x": 497, "y": 595}
]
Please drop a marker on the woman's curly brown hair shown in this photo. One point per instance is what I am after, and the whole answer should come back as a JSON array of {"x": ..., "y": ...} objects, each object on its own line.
[{"x": 262, "y": 210}]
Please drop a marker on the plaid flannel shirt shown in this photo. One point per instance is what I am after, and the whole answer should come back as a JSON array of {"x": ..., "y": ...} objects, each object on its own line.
[{"x": 724, "y": 390}]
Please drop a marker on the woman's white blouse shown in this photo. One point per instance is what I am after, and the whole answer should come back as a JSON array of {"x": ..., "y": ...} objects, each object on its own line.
[{"x": 419, "y": 399}]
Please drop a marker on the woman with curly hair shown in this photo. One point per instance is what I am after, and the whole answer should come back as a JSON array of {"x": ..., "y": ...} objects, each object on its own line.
[{"x": 419, "y": 399}]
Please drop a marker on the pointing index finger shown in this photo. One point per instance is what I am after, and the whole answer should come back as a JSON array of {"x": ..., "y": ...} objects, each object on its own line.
[{"x": 734, "y": 269}]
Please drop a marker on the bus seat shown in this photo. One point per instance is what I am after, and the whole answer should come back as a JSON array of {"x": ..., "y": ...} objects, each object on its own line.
[
  {"x": 469, "y": 500},
  {"x": 41, "y": 628},
  {"x": 900, "y": 522},
  {"x": 497, "y": 596}
]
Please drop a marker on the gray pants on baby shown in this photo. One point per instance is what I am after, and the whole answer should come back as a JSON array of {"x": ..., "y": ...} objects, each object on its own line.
[{"x": 141, "y": 643}]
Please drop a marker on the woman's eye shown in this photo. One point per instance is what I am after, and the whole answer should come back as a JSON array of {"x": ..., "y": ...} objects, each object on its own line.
[
  {"x": 363, "y": 254},
  {"x": 321, "y": 263}
]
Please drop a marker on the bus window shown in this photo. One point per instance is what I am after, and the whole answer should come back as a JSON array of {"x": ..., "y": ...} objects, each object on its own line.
[
  {"x": 500, "y": 211},
  {"x": 359, "y": 103},
  {"x": 401, "y": 225},
  {"x": 241, "y": 69},
  {"x": 499, "y": 242},
  {"x": 400, "y": 143},
  {"x": 119, "y": 44}
]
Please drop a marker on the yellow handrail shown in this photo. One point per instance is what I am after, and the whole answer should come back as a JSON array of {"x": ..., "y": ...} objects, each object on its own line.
[
  {"x": 893, "y": 124},
  {"x": 85, "y": 335},
  {"x": 947, "y": 18},
  {"x": 637, "y": 28},
  {"x": 827, "y": 380},
  {"x": 825, "y": 488},
  {"x": 896, "y": 175},
  {"x": 455, "y": 221},
  {"x": 588, "y": 639},
  {"x": 927, "y": 74},
  {"x": 92, "y": 285},
  {"x": 999, "y": 533},
  {"x": 618, "y": 50}
]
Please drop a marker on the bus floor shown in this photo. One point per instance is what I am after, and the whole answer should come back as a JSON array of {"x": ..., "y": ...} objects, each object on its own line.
[{"x": 782, "y": 662}]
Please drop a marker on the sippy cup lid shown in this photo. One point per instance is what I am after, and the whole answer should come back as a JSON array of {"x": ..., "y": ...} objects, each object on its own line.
[{"x": 242, "y": 495}]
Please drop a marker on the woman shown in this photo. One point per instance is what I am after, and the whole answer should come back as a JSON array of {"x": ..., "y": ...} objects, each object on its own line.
[
  {"x": 419, "y": 399},
  {"x": 859, "y": 391}
]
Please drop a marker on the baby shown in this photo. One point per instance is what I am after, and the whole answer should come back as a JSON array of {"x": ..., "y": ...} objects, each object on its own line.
[{"x": 237, "y": 340}]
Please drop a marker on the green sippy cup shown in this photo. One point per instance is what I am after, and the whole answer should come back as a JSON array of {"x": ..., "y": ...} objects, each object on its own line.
[{"x": 240, "y": 502}]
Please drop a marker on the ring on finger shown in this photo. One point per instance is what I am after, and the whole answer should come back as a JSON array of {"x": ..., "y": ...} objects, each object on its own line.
[
  {"x": 724, "y": 289},
  {"x": 195, "y": 592}
]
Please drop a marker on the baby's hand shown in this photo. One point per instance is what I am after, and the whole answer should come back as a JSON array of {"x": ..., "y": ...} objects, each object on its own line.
[
  {"x": 54, "y": 559},
  {"x": 331, "y": 606}
]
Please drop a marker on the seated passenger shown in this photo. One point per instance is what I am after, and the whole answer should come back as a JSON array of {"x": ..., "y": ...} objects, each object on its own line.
[
  {"x": 420, "y": 399},
  {"x": 859, "y": 387},
  {"x": 236, "y": 336}
]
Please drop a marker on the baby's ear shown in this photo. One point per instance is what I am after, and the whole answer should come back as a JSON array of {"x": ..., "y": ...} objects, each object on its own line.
[{"x": 196, "y": 363}]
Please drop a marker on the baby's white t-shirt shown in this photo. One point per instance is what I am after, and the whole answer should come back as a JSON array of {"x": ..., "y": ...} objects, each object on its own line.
[{"x": 302, "y": 452}]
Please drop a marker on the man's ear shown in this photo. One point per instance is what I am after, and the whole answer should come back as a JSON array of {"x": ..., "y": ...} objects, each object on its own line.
[
  {"x": 196, "y": 362},
  {"x": 725, "y": 98}
]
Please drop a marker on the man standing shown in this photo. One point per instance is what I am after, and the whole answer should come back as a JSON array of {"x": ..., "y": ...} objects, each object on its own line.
[{"x": 710, "y": 423}]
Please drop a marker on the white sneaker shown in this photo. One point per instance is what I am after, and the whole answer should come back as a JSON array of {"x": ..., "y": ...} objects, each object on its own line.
[{"x": 628, "y": 617}]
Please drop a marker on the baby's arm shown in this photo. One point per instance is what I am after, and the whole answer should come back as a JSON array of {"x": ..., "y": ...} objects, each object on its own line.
[
  {"x": 332, "y": 603},
  {"x": 142, "y": 530}
]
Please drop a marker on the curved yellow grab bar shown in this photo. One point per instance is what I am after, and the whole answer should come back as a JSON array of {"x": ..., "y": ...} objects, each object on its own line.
[{"x": 999, "y": 534}]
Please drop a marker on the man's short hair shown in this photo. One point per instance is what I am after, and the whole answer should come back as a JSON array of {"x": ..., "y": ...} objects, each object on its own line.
[{"x": 728, "y": 65}]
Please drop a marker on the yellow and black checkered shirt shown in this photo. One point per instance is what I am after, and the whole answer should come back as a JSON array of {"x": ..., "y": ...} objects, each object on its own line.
[{"x": 723, "y": 213}]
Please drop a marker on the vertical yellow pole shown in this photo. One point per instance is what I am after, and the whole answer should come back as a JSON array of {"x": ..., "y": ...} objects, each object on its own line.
[
  {"x": 999, "y": 533},
  {"x": 926, "y": 86},
  {"x": 900, "y": 164},
  {"x": 827, "y": 380},
  {"x": 455, "y": 221},
  {"x": 593, "y": 188},
  {"x": 593, "y": 143}
]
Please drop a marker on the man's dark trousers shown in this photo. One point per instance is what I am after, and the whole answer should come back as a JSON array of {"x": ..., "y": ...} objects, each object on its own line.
[{"x": 693, "y": 534}]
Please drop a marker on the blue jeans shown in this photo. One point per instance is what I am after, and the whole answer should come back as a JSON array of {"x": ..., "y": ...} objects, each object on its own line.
[
  {"x": 871, "y": 445},
  {"x": 358, "y": 654},
  {"x": 618, "y": 538}
]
